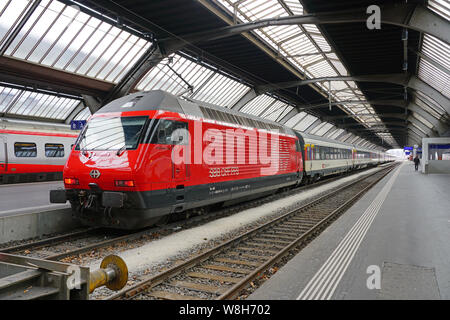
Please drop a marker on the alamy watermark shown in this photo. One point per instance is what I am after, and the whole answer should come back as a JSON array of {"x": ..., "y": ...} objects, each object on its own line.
[
  {"x": 232, "y": 146},
  {"x": 374, "y": 20},
  {"x": 374, "y": 280}
]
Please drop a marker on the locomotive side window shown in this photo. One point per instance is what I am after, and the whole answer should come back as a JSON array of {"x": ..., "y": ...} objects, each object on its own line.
[
  {"x": 25, "y": 149},
  {"x": 54, "y": 150},
  {"x": 170, "y": 132}
]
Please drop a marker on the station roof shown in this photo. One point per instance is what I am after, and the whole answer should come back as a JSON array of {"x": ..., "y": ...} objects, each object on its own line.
[{"x": 312, "y": 65}]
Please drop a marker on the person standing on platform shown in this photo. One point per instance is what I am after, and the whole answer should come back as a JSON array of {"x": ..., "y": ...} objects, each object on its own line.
[{"x": 416, "y": 162}]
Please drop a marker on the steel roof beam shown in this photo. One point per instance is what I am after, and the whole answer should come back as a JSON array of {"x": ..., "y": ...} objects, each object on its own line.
[
  {"x": 374, "y": 124},
  {"x": 381, "y": 130},
  {"x": 92, "y": 103},
  {"x": 403, "y": 79},
  {"x": 386, "y": 115},
  {"x": 396, "y": 103},
  {"x": 33, "y": 75},
  {"x": 300, "y": 108},
  {"x": 411, "y": 16},
  {"x": 80, "y": 107}
]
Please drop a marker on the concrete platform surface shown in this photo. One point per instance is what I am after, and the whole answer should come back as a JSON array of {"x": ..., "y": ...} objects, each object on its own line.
[
  {"x": 394, "y": 243},
  {"x": 28, "y": 197}
]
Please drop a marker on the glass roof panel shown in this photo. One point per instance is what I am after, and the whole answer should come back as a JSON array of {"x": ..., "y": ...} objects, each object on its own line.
[
  {"x": 184, "y": 77},
  {"x": 275, "y": 110},
  {"x": 327, "y": 126},
  {"x": 258, "y": 105},
  {"x": 23, "y": 102},
  {"x": 434, "y": 69},
  {"x": 302, "y": 45},
  {"x": 83, "y": 114},
  {"x": 295, "y": 119},
  {"x": 174, "y": 74},
  {"x": 221, "y": 90},
  {"x": 441, "y": 7},
  {"x": 423, "y": 120},
  {"x": 427, "y": 104},
  {"x": 305, "y": 122},
  {"x": 63, "y": 37},
  {"x": 318, "y": 127},
  {"x": 10, "y": 14},
  {"x": 335, "y": 134}
]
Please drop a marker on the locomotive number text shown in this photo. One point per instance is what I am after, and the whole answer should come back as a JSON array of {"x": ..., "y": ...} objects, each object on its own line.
[{"x": 223, "y": 172}]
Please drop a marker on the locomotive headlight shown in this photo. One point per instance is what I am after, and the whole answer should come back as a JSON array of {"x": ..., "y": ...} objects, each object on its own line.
[
  {"x": 124, "y": 183},
  {"x": 71, "y": 181}
]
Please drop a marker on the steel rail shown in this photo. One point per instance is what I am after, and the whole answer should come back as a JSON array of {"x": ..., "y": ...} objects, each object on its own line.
[
  {"x": 191, "y": 262},
  {"x": 44, "y": 242},
  {"x": 195, "y": 219},
  {"x": 234, "y": 290}
]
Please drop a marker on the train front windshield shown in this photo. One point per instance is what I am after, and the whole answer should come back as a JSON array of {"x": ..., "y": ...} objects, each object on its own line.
[{"x": 113, "y": 133}]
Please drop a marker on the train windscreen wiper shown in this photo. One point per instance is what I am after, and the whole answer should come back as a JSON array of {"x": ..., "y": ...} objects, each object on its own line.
[{"x": 122, "y": 148}]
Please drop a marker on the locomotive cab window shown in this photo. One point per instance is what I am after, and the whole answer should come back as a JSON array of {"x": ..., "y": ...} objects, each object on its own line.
[
  {"x": 54, "y": 150},
  {"x": 112, "y": 133},
  {"x": 170, "y": 132},
  {"x": 25, "y": 149}
]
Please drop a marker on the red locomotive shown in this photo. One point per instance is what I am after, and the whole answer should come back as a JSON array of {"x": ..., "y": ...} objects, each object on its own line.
[{"x": 147, "y": 155}]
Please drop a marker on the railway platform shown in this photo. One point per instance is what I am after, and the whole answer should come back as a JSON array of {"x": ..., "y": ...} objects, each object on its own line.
[
  {"x": 392, "y": 244},
  {"x": 26, "y": 197},
  {"x": 26, "y": 212}
]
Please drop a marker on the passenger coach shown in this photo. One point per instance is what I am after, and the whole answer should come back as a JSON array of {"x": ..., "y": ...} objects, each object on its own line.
[
  {"x": 33, "y": 154},
  {"x": 323, "y": 157}
]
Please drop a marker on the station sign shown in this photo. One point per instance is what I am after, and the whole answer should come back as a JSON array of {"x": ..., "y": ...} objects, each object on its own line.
[{"x": 77, "y": 124}]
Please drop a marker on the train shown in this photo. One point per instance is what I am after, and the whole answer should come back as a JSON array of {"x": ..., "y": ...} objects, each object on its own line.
[
  {"x": 33, "y": 152},
  {"x": 148, "y": 155}
]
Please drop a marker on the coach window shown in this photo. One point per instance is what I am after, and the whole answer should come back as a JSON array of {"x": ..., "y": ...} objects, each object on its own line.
[
  {"x": 25, "y": 149},
  {"x": 317, "y": 148},
  {"x": 54, "y": 150}
]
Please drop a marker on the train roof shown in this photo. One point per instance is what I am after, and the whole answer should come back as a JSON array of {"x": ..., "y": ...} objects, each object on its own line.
[
  {"x": 142, "y": 101},
  {"x": 20, "y": 125},
  {"x": 162, "y": 100},
  {"x": 159, "y": 99},
  {"x": 318, "y": 138}
]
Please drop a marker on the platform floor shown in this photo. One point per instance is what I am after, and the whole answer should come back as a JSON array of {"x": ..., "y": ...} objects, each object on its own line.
[
  {"x": 26, "y": 197},
  {"x": 394, "y": 243}
]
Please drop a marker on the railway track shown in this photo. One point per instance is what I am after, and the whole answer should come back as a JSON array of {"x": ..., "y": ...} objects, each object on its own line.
[
  {"x": 72, "y": 244},
  {"x": 225, "y": 270}
]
